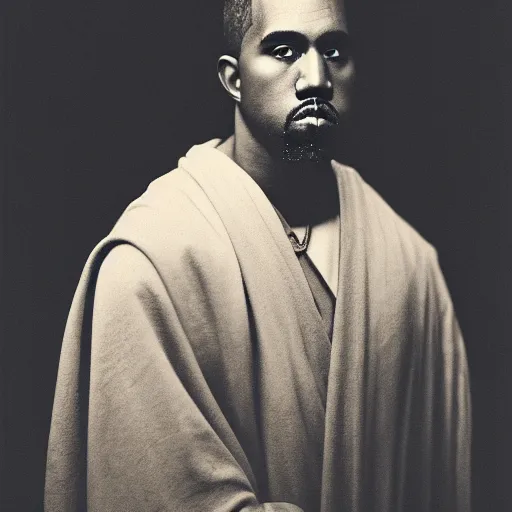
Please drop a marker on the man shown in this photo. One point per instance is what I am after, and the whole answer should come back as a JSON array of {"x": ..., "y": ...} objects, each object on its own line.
[{"x": 260, "y": 331}]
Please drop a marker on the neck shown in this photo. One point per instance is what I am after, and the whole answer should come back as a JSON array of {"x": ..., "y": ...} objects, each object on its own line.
[{"x": 303, "y": 192}]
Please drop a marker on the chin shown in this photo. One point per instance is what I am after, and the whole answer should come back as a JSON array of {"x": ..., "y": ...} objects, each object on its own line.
[
  {"x": 313, "y": 147},
  {"x": 308, "y": 152}
]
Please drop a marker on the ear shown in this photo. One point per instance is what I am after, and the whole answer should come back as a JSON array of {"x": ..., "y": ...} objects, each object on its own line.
[{"x": 229, "y": 76}]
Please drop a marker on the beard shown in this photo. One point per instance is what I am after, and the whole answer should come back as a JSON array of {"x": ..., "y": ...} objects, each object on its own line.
[
  {"x": 305, "y": 146},
  {"x": 309, "y": 142}
]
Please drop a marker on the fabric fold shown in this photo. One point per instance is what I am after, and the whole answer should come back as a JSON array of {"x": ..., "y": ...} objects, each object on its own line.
[{"x": 196, "y": 373}]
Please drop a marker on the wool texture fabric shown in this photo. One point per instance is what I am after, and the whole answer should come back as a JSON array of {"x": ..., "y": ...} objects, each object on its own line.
[{"x": 196, "y": 374}]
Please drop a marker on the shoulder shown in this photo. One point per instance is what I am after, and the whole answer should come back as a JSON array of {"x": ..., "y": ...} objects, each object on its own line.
[
  {"x": 403, "y": 267},
  {"x": 386, "y": 228},
  {"x": 125, "y": 272},
  {"x": 172, "y": 220}
]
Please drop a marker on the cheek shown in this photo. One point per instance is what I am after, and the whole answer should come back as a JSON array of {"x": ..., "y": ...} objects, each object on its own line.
[
  {"x": 343, "y": 81},
  {"x": 268, "y": 86}
]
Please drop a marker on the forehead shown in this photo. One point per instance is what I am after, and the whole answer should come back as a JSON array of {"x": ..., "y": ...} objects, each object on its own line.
[{"x": 298, "y": 15}]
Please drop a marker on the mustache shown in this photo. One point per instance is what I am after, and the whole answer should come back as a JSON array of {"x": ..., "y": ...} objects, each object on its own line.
[{"x": 315, "y": 107}]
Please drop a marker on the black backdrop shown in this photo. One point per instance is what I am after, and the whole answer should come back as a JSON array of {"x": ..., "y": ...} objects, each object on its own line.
[{"x": 102, "y": 97}]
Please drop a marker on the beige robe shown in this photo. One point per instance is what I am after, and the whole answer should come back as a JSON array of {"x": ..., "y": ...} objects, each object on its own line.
[{"x": 196, "y": 374}]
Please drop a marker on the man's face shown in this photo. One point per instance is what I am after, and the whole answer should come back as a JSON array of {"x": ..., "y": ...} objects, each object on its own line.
[{"x": 296, "y": 73}]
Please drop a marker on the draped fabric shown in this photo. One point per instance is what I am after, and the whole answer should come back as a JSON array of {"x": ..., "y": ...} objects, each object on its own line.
[
  {"x": 322, "y": 295},
  {"x": 196, "y": 373}
]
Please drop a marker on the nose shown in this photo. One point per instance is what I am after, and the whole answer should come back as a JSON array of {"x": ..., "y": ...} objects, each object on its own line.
[{"x": 314, "y": 79}]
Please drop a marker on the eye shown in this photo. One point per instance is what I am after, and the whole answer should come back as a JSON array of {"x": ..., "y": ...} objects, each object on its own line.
[
  {"x": 332, "y": 54},
  {"x": 285, "y": 52}
]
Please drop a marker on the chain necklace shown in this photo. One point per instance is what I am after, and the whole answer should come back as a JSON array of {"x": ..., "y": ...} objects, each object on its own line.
[{"x": 300, "y": 247}]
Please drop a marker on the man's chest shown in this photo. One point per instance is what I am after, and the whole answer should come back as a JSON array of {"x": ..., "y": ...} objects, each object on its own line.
[{"x": 324, "y": 249}]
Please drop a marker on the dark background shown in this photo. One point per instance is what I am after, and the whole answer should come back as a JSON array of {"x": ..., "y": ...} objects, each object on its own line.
[{"x": 99, "y": 98}]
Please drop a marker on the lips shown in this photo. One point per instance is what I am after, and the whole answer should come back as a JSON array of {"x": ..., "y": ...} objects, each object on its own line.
[{"x": 316, "y": 108}]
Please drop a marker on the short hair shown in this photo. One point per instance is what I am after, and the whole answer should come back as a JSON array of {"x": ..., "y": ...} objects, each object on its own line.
[{"x": 237, "y": 20}]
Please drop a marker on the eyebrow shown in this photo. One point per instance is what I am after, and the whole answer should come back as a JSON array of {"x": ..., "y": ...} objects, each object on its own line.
[{"x": 280, "y": 36}]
